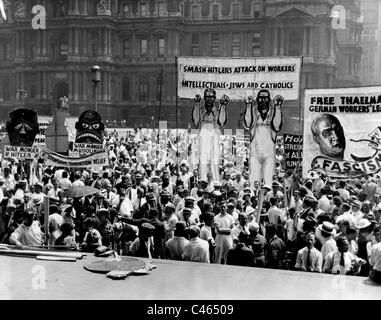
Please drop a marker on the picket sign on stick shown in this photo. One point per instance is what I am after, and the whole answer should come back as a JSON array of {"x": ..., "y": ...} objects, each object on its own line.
[
  {"x": 260, "y": 203},
  {"x": 46, "y": 219}
]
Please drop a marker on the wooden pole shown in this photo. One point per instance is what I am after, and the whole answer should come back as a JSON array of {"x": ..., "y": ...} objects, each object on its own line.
[
  {"x": 46, "y": 219},
  {"x": 177, "y": 116}
]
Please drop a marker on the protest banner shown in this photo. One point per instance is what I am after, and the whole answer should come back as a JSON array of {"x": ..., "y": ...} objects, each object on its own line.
[
  {"x": 21, "y": 153},
  {"x": 43, "y": 123},
  {"x": 293, "y": 150},
  {"x": 239, "y": 77},
  {"x": 95, "y": 161},
  {"x": 83, "y": 149},
  {"x": 342, "y": 133}
]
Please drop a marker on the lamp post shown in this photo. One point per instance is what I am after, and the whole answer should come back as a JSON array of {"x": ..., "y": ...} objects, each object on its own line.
[{"x": 96, "y": 71}]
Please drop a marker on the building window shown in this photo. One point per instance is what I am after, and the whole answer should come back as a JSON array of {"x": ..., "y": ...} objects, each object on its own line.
[
  {"x": 236, "y": 37},
  {"x": 126, "y": 10},
  {"x": 256, "y": 44},
  {"x": 295, "y": 44},
  {"x": 235, "y": 51},
  {"x": 143, "y": 9},
  {"x": 161, "y": 47},
  {"x": 226, "y": 7},
  {"x": 205, "y": 7},
  {"x": 125, "y": 89},
  {"x": 246, "y": 7},
  {"x": 215, "y": 44},
  {"x": 257, "y": 9},
  {"x": 61, "y": 8},
  {"x": 143, "y": 47},
  {"x": 235, "y": 11},
  {"x": 143, "y": 90},
  {"x": 126, "y": 48},
  {"x": 7, "y": 51},
  {"x": 236, "y": 44},
  {"x": 195, "y": 44},
  {"x": 6, "y": 89},
  {"x": 215, "y": 12},
  {"x": 94, "y": 49},
  {"x": 194, "y": 12},
  {"x": 161, "y": 8}
]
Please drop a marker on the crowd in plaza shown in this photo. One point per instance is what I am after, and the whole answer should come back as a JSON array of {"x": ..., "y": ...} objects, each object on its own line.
[{"x": 162, "y": 209}]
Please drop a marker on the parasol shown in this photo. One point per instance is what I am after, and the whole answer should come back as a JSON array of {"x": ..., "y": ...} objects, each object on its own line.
[{"x": 79, "y": 192}]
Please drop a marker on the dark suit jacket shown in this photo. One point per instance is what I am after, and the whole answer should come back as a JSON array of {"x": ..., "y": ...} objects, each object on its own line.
[{"x": 240, "y": 255}]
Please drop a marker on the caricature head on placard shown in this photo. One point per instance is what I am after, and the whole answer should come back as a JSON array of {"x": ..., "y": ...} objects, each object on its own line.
[
  {"x": 22, "y": 127},
  {"x": 90, "y": 128}
]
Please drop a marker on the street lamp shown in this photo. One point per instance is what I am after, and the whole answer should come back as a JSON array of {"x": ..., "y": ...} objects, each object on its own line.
[{"x": 96, "y": 71}]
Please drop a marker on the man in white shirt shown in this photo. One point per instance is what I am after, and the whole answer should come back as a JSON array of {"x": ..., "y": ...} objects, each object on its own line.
[
  {"x": 78, "y": 180},
  {"x": 9, "y": 180},
  {"x": 324, "y": 203},
  {"x": 375, "y": 262},
  {"x": 341, "y": 261},
  {"x": 29, "y": 233},
  {"x": 197, "y": 250},
  {"x": 175, "y": 245},
  {"x": 64, "y": 182},
  {"x": 309, "y": 258},
  {"x": 275, "y": 214},
  {"x": 328, "y": 242},
  {"x": 224, "y": 223},
  {"x": 242, "y": 226}
]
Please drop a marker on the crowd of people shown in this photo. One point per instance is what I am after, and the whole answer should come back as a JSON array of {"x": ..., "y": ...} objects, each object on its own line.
[{"x": 159, "y": 209}]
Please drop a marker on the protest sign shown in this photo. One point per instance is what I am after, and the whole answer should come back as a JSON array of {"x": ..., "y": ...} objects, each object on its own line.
[
  {"x": 342, "y": 133},
  {"x": 293, "y": 150},
  {"x": 95, "y": 161},
  {"x": 43, "y": 123},
  {"x": 83, "y": 149},
  {"x": 21, "y": 153},
  {"x": 239, "y": 77}
]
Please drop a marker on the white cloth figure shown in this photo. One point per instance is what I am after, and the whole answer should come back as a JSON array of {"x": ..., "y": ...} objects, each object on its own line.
[
  {"x": 209, "y": 120},
  {"x": 264, "y": 123}
]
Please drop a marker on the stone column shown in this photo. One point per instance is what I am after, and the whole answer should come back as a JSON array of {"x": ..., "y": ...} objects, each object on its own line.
[
  {"x": 305, "y": 44},
  {"x": 275, "y": 52},
  {"x": 282, "y": 40},
  {"x": 75, "y": 91},
  {"x": 44, "y": 89}
]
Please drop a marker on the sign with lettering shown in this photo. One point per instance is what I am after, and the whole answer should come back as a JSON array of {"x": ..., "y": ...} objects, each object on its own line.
[
  {"x": 239, "y": 78},
  {"x": 293, "y": 150},
  {"x": 21, "y": 153},
  {"x": 95, "y": 160},
  {"x": 342, "y": 132},
  {"x": 83, "y": 149}
]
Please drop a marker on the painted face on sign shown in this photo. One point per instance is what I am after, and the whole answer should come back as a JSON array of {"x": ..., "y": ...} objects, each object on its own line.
[
  {"x": 209, "y": 98},
  {"x": 90, "y": 128},
  {"x": 329, "y": 135},
  {"x": 263, "y": 101},
  {"x": 22, "y": 127}
]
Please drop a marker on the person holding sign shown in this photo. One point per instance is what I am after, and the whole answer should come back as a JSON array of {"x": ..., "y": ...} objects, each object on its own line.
[
  {"x": 209, "y": 120},
  {"x": 264, "y": 124}
]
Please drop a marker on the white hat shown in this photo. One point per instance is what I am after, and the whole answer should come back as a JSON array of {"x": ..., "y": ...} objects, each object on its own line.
[
  {"x": 250, "y": 210},
  {"x": 363, "y": 223},
  {"x": 253, "y": 226},
  {"x": 327, "y": 227}
]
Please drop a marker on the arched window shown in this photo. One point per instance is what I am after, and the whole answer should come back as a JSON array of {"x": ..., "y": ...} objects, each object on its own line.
[
  {"x": 295, "y": 44},
  {"x": 61, "y": 90},
  {"x": 125, "y": 89}
]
